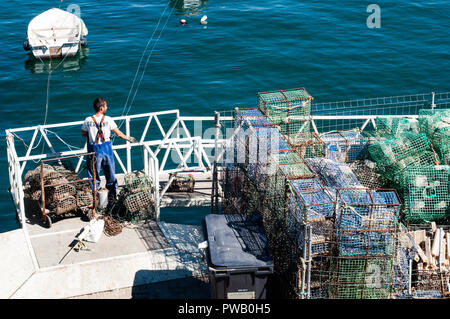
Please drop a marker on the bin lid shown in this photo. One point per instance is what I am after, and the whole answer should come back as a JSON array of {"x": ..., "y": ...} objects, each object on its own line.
[{"x": 237, "y": 240}]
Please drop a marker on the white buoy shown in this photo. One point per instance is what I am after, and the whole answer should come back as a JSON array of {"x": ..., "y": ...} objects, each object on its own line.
[
  {"x": 103, "y": 198},
  {"x": 203, "y": 20},
  {"x": 183, "y": 21}
]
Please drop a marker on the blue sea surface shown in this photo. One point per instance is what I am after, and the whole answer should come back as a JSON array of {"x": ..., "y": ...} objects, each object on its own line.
[{"x": 246, "y": 47}]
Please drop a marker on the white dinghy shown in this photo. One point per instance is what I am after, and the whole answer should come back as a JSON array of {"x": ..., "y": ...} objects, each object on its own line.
[{"x": 55, "y": 33}]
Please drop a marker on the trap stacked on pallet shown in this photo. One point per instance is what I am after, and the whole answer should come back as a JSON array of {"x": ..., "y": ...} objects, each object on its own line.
[
  {"x": 436, "y": 125},
  {"x": 135, "y": 200},
  {"x": 395, "y": 154},
  {"x": 428, "y": 193},
  {"x": 366, "y": 232},
  {"x": 345, "y": 146}
]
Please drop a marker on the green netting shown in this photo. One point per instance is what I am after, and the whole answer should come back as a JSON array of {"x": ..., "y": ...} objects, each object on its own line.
[
  {"x": 431, "y": 120},
  {"x": 392, "y": 126},
  {"x": 361, "y": 278},
  {"x": 428, "y": 197},
  {"x": 289, "y": 163},
  {"x": 390, "y": 151},
  {"x": 294, "y": 104},
  {"x": 397, "y": 172},
  {"x": 137, "y": 182},
  {"x": 307, "y": 144}
]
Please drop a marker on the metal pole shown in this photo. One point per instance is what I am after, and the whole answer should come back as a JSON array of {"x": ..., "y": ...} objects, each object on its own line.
[
  {"x": 127, "y": 129},
  {"x": 303, "y": 264},
  {"x": 309, "y": 259},
  {"x": 214, "y": 191},
  {"x": 410, "y": 277},
  {"x": 432, "y": 101}
]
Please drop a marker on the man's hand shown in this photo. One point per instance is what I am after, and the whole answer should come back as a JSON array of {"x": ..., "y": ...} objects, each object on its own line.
[{"x": 131, "y": 139}]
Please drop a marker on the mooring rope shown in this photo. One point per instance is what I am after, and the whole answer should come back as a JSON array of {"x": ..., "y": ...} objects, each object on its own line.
[{"x": 127, "y": 108}]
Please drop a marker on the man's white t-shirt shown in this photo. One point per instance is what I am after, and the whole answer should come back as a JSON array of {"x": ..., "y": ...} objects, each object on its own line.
[{"x": 107, "y": 126}]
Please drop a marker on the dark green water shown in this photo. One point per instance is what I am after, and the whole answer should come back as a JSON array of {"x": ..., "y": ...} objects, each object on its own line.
[{"x": 246, "y": 47}]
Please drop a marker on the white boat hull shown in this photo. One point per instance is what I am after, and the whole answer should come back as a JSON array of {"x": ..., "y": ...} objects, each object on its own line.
[
  {"x": 55, "y": 33},
  {"x": 65, "y": 51}
]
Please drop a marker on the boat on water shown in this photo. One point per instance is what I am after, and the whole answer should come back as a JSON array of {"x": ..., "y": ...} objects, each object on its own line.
[{"x": 55, "y": 33}]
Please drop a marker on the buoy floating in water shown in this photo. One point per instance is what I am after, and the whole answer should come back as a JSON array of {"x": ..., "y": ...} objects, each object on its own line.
[
  {"x": 203, "y": 20},
  {"x": 183, "y": 21}
]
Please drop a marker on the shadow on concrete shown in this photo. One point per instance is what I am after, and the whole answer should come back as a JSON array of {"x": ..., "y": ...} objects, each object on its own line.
[{"x": 196, "y": 287}]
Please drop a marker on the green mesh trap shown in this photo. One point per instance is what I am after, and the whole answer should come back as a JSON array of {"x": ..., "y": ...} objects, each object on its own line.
[
  {"x": 390, "y": 151},
  {"x": 428, "y": 196},
  {"x": 285, "y": 105},
  {"x": 137, "y": 181},
  {"x": 361, "y": 278},
  {"x": 392, "y": 126}
]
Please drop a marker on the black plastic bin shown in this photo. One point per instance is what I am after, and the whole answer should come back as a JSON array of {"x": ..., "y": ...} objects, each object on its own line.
[{"x": 238, "y": 256}]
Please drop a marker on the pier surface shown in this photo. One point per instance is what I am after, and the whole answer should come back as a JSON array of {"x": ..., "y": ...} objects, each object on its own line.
[{"x": 146, "y": 260}]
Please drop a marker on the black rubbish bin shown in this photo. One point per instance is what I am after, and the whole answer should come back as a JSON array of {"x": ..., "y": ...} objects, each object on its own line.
[{"x": 238, "y": 256}]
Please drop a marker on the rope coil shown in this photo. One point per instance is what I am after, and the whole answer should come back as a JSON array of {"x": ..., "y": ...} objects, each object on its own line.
[{"x": 112, "y": 226}]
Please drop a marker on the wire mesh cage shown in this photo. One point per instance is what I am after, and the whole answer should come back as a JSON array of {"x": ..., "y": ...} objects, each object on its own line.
[
  {"x": 428, "y": 196},
  {"x": 366, "y": 222},
  {"x": 59, "y": 188},
  {"x": 345, "y": 146},
  {"x": 137, "y": 181},
  {"x": 309, "y": 201},
  {"x": 285, "y": 105},
  {"x": 392, "y": 126},
  {"x": 306, "y": 144},
  {"x": 367, "y": 174},
  {"x": 182, "y": 183},
  {"x": 333, "y": 174},
  {"x": 361, "y": 278},
  {"x": 65, "y": 205},
  {"x": 390, "y": 151}
]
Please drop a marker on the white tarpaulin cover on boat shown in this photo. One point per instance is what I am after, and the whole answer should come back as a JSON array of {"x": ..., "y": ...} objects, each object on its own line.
[{"x": 55, "y": 27}]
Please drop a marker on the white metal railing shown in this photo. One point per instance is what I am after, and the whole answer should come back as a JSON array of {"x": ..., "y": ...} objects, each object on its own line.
[{"x": 162, "y": 143}]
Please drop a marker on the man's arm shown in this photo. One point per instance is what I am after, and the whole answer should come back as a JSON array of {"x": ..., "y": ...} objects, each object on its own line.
[{"x": 121, "y": 135}]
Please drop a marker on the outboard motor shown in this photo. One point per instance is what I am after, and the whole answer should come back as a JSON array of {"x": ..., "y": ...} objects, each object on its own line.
[{"x": 26, "y": 45}]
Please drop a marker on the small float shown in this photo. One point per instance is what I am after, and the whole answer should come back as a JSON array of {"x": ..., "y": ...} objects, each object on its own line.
[{"x": 55, "y": 33}]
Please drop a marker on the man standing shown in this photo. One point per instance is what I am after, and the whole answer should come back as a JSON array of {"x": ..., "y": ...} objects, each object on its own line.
[{"x": 97, "y": 128}]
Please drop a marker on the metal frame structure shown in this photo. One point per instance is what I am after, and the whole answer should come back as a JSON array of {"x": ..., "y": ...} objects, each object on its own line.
[{"x": 152, "y": 148}]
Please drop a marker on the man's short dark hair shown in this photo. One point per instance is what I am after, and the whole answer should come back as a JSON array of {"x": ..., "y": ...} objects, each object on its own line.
[{"x": 98, "y": 103}]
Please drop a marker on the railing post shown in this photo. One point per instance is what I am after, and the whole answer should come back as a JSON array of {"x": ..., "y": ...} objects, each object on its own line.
[
  {"x": 433, "y": 105},
  {"x": 215, "y": 191},
  {"x": 156, "y": 179},
  {"x": 127, "y": 129}
]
